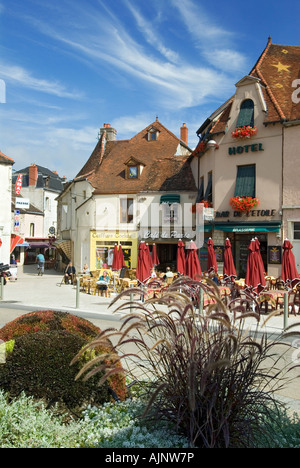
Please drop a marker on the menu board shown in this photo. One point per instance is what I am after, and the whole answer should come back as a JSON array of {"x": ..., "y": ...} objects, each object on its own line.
[{"x": 274, "y": 254}]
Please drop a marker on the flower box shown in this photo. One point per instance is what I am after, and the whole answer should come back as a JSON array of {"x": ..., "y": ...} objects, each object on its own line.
[
  {"x": 244, "y": 132},
  {"x": 244, "y": 204}
]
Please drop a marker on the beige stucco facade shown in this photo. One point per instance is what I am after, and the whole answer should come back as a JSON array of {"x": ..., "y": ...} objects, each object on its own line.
[
  {"x": 263, "y": 150},
  {"x": 291, "y": 187}
]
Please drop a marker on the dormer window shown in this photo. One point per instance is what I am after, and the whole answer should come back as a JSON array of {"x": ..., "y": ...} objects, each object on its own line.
[
  {"x": 153, "y": 134},
  {"x": 133, "y": 169}
]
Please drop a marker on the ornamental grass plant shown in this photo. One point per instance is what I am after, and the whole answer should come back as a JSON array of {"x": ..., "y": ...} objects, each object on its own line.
[{"x": 200, "y": 370}]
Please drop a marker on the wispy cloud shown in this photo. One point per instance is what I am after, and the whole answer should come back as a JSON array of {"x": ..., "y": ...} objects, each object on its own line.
[
  {"x": 177, "y": 82},
  {"x": 24, "y": 78}
]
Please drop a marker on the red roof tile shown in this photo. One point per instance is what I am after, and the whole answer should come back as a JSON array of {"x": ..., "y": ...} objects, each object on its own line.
[
  {"x": 163, "y": 170},
  {"x": 277, "y": 68},
  {"x": 5, "y": 159}
]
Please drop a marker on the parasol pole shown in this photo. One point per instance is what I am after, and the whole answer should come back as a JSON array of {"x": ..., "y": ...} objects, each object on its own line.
[{"x": 285, "y": 311}]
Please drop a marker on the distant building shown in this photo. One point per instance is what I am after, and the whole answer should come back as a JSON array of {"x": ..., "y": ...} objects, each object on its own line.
[
  {"x": 260, "y": 161},
  {"x": 37, "y": 207},
  {"x": 110, "y": 200},
  {"x": 6, "y": 164}
]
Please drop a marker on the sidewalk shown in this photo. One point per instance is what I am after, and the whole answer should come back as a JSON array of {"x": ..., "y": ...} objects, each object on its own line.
[{"x": 31, "y": 292}]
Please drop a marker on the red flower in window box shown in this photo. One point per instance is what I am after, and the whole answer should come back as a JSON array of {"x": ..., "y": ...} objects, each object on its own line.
[
  {"x": 199, "y": 149},
  {"x": 244, "y": 132},
  {"x": 244, "y": 204},
  {"x": 206, "y": 203}
]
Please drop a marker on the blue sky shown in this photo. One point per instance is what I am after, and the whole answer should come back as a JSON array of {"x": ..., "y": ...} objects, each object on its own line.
[{"x": 71, "y": 66}]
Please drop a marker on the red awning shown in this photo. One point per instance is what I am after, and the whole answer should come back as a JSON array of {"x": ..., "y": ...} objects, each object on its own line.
[{"x": 14, "y": 240}]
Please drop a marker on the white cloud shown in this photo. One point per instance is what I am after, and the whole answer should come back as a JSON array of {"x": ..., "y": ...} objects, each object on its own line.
[{"x": 25, "y": 79}]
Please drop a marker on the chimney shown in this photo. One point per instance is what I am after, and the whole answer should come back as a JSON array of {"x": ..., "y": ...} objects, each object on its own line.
[
  {"x": 32, "y": 175},
  {"x": 184, "y": 134},
  {"x": 111, "y": 133}
]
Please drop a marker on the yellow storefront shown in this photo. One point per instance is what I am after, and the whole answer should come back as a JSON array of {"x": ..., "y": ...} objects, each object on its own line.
[{"x": 102, "y": 246}]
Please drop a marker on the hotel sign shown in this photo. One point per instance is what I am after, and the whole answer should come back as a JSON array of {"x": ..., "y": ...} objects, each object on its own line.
[{"x": 252, "y": 148}]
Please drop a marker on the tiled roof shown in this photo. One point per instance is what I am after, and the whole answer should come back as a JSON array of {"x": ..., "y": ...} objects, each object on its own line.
[
  {"x": 163, "y": 169},
  {"x": 5, "y": 159},
  {"x": 54, "y": 182},
  {"x": 277, "y": 68}
]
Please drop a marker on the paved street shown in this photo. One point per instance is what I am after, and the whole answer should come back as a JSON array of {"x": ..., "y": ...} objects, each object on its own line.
[{"x": 31, "y": 292}]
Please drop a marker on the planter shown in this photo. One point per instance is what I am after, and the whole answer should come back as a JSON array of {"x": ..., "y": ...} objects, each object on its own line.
[
  {"x": 244, "y": 132},
  {"x": 244, "y": 204}
]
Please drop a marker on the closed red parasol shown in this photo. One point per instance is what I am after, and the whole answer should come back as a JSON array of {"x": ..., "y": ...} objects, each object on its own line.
[
  {"x": 255, "y": 279},
  {"x": 192, "y": 264},
  {"x": 289, "y": 274},
  {"x": 155, "y": 259},
  {"x": 116, "y": 261},
  {"x": 149, "y": 258},
  {"x": 212, "y": 265},
  {"x": 229, "y": 271},
  {"x": 121, "y": 258},
  {"x": 260, "y": 264},
  {"x": 143, "y": 270},
  {"x": 180, "y": 257}
]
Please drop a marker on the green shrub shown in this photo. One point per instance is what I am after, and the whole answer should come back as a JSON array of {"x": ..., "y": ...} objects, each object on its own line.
[
  {"x": 49, "y": 320},
  {"x": 40, "y": 367},
  {"x": 204, "y": 372}
]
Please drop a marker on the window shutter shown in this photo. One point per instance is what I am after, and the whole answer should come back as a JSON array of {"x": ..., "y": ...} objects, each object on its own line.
[
  {"x": 245, "y": 182},
  {"x": 246, "y": 115}
]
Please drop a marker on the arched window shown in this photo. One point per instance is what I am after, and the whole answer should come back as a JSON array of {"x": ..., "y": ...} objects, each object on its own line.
[{"x": 246, "y": 115}]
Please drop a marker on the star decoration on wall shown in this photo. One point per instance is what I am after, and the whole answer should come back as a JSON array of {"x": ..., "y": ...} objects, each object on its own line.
[{"x": 280, "y": 67}]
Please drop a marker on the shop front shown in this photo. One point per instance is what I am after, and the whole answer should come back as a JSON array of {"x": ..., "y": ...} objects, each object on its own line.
[
  {"x": 241, "y": 234},
  {"x": 102, "y": 248}
]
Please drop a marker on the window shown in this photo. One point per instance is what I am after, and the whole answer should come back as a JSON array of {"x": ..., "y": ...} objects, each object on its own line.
[
  {"x": 208, "y": 192},
  {"x": 31, "y": 229},
  {"x": 126, "y": 210},
  {"x": 297, "y": 231},
  {"x": 133, "y": 172},
  {"x": 153, "y": 134},
  {"x": 246, "y": 115},
  {"x": 133, "y": 169},
  {"x": 200, "y": 195},
  {"x": 245, "y": 181}
]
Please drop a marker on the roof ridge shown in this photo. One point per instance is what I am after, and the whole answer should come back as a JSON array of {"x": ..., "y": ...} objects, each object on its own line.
[
  {"x": 256, "y": 69},
  {"x": 262, "y": 56}
]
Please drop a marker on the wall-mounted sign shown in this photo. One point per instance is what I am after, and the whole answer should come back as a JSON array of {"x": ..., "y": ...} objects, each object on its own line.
[
  {"x": 254, "y": 147},
  {"x": 19, "y": 184},
  {"x": 238, "y": 214},
  {"x": 274, "y": 254},
  {"x": 22, "y": 203}
]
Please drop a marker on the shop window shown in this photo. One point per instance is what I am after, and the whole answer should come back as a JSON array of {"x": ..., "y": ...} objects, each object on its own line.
[
  {"x": 246, "y": 115},
  {"x": 245, "y": 181},
  {"x": 126, "y": 210}
]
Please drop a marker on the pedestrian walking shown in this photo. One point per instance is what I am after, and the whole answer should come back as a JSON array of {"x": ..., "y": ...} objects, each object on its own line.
[{"x": 40, "y": 259}]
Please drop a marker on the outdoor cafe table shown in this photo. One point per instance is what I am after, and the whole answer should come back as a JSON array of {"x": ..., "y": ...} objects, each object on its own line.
[{"x": 269, "y": 298}]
